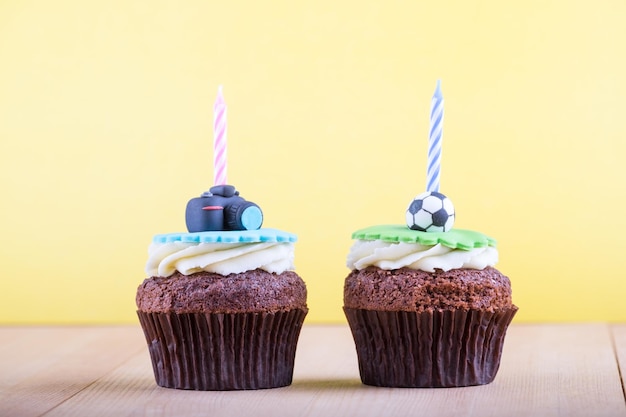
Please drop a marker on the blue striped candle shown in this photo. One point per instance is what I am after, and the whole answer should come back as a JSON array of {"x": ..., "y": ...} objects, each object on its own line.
[{"x": 434, "y": 140}]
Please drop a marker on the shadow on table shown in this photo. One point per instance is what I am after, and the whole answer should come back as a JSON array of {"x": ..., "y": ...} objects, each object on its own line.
[{"x": 327, "y": 384}]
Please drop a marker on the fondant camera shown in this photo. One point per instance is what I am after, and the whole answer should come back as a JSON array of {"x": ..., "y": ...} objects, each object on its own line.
[{"x": 221, "y": 208}]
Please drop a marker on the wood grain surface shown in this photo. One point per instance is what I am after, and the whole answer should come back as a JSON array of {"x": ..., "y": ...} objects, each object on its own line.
[{"x": 546, "y": 370}]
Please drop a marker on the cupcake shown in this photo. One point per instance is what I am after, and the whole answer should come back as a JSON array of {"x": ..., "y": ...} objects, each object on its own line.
[
  {"x": 425, "y": 304},
  {"x": 222, "y": 308},
  {"x": 426, "y": 308}
]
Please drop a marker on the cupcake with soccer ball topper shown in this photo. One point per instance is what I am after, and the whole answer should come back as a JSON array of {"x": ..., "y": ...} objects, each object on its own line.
[
  {"x": 222, "y": 308},
  {"x": 424, "y": 302}
]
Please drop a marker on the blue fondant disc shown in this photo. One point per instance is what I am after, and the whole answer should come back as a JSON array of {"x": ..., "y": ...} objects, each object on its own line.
[{"x": 230, "y": 236}]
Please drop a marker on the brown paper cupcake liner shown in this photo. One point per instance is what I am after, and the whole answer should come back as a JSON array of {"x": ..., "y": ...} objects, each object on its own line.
[
  {"x": 238, "y": 351},
  {"x": 453, "y": 348}
]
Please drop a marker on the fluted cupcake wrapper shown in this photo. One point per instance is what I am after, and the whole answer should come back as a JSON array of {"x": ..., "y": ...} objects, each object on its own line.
[
  {"x": 238, "y": 351},
  {"x": 453, "y": 348}
]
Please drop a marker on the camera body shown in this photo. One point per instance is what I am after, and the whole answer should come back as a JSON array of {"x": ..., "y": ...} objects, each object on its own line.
[{"x": 221, "y": 208}]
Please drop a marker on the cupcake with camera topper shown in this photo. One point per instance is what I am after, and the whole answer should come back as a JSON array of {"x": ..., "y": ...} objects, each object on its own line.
[
  {"x": 424, "y": 302},
  {"x": 222, "y": 307}
]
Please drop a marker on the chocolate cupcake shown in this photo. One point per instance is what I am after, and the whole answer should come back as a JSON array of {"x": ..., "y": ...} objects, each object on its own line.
[
  {"x": 425, "y": 305},
  {"x": 426, "y": 309},
  {"x": 222, "y": 308}
]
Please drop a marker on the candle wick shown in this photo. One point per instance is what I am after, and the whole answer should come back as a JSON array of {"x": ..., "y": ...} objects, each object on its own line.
[{"x": 438, "y": 93}]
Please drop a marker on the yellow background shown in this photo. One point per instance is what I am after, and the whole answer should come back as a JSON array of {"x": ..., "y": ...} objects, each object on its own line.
[{"x": 106, "y": 132}]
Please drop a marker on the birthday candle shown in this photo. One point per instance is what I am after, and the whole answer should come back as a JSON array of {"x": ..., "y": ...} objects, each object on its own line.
[
  {"x": 434, "y": 140},
  {"x": 219, "y": 139}
]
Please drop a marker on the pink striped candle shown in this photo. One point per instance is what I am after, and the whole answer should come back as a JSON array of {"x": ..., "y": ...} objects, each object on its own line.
[
  {"x": 219, "y": 139},
  {"x": 434, "y": 140}
]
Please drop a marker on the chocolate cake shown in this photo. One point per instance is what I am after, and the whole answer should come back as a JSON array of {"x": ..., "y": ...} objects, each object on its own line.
[
  {"x": 222, "y": 307},
  {"x": 408, "y": 289},
  {"x": 252, "y": 291},
  {"x": 424, "y": 302},
  {"x": 426, "y": 309}
]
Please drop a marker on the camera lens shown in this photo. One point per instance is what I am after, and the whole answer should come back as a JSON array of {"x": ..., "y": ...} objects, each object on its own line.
[{"x": 244, "y": 216}]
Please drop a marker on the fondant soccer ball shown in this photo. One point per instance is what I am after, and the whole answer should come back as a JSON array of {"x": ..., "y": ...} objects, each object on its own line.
[{"x": 430, "y": 212}]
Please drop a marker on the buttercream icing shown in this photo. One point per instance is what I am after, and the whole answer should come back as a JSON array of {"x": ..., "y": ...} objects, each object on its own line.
[
  {"x": 221, "y": 252},
  {"x": 395, "y": 255}
]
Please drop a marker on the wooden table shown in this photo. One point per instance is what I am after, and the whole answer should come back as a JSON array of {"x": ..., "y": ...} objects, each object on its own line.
[{"x": 547, "y": 370}]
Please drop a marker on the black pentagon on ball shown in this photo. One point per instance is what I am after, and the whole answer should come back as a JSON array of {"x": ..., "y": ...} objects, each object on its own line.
[
  {"x": 418, "y": 228},
  {"x": 415, "y": 206},
  {"x": 440, "y": 217}
]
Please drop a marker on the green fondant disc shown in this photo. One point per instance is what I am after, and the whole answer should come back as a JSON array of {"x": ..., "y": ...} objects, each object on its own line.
[{"x": 455, "y": 238}]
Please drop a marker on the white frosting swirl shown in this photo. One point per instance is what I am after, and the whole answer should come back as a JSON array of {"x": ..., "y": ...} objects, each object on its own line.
[
  {"x": 221, "y": 258},
  {"x": 395, "y": 255}
]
